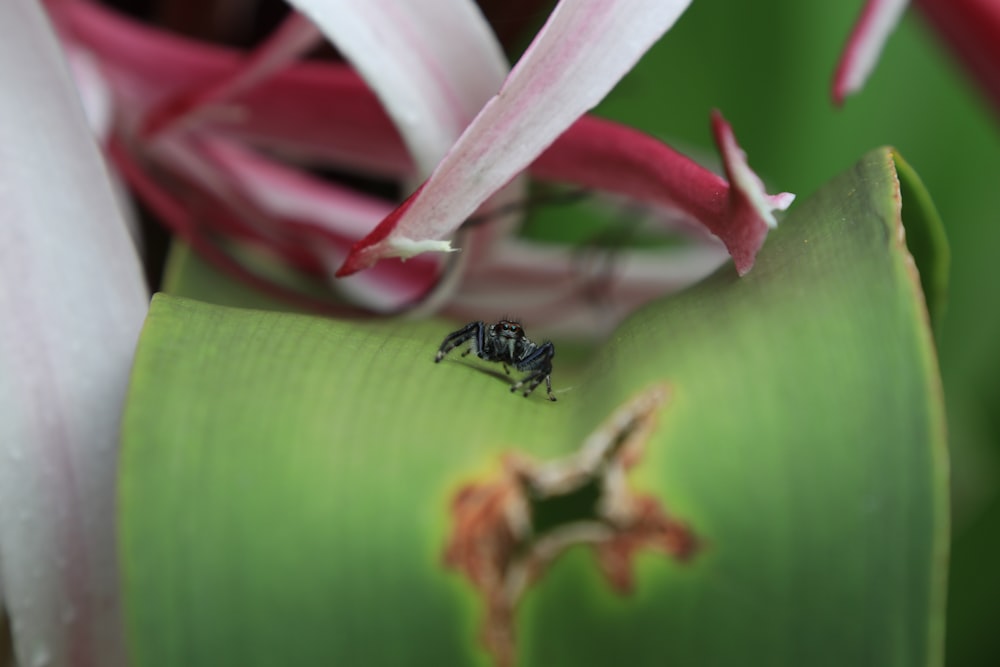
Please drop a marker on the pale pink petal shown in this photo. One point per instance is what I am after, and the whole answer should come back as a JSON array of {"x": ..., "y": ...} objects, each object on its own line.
[
  {"x": 292, "y": 193},
  {"x": 330, "y": 215},
  {"x": 433, "y": 63},
  {"x": 308, "y": 111},
  {"x": 318, "y": 112},
  {"x": 72, "y": 302},
  {"x": 583, "y": 50},
  {"x": 181, "y": 221},
  {"x": 95, "y": 93},
  {"x": 282, "y": 211},
  {"x": 877, "y": 21},
  {"x": 577, "y": 292}
]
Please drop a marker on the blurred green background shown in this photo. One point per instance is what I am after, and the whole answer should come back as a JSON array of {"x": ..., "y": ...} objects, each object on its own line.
[{"x": 768, "y": 66}]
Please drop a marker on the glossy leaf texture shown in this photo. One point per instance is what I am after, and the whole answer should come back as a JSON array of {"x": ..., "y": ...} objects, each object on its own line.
[{"x": 287, "y": 481}]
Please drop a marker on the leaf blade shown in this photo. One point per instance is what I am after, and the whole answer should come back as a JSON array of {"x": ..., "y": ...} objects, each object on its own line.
[{"x": 804, "y": 443}]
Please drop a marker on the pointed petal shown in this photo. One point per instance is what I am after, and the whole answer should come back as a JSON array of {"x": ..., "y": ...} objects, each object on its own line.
[
  {"x": 72, "y": 301},
  {"x": 750, "y": 207},
  {"x": 877, "y": 21},
  {"x": 321, "y": 112},
  {"x": 583, "y": 50},
  {"x": 604, "y": 155},
  {"x": 324, "y": 216},
  {"x": 433, "y": 63}
]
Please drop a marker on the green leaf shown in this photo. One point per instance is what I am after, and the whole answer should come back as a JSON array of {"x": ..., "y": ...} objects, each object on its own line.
[
  {"x": 286, "y": 481},
  {"x": 925, "y": 239}
]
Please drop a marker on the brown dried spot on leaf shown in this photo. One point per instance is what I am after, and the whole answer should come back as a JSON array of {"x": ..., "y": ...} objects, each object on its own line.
[
  {"x": 651, "y": 529},
  {"x": 506, "y": 531}
]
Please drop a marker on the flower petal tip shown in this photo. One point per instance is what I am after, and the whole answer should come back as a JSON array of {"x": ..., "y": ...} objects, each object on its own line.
[
  {"x": 751, "y": 208},
  {"x": 839, "y": 91},
  {"x": 358, "y": 259},
  {"x": 781, "y": 201},
  {"x": 405, "y": 248},
  {"x": 877, "y": 21},
  {"x": 363, "y": 256},
  {"x": 746, "y": 186}
]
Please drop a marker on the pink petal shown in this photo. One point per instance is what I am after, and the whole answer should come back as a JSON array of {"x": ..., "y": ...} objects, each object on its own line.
[
  {"x": 317, "y": 111},
  {"x": 750, "y": 207},
  {"x": 181, "y": 222},
  {"x": 292, "y": 38},
  {"x": 290, "y": 193},
  {"x": 72, "y": 302},
  {"x": 583, "y": 50},
  {"x": 877, "y": 21},
  {"x": 95, "y": 93},
  {"x": 576, "y": 292},
  {"x": 326, "y": 217},
  {"x": 971, "y": 28},
  {"x": 433, "y": 64},
  {"x": 308, "y": 111},
  {"x": 604, "y": 155}
]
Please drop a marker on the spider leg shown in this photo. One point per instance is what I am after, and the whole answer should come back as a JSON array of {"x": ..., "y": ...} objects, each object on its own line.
[
  {"x": 539, "y": 362},
  {"x": 540, "y": 359},
  {"x": 532, "y": 381},
  {"x": 474, "y": 331},
  {"x": 505, "y": 369}
]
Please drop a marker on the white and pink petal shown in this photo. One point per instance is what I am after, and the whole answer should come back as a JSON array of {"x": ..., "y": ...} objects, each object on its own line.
[
  {"x": 433, "y": 64},
  {"x": 877, "y": 21},
  {"x": 72, "y": 301},
  {"x": 582, "y": 51}
]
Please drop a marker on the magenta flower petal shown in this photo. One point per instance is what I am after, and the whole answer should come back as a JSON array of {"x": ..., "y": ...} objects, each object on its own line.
[
  {"x": 749, "y": 206},
  {"x": 291, "y": 39},
  {"x": 876, "y": 23},
  {"x": 322, "y": 112},
  {"x": 320, "y": 215},
  {"x": 72, "y": 301},
  {"x": 604, "y": 155},
  {"x": 175, "y": 215},
  {"x": 971, "y": 28},
  {"x": 583, "y": 50}
]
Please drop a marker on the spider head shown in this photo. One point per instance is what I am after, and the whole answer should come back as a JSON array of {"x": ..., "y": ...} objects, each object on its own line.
[{"x": 508, "y": 329}]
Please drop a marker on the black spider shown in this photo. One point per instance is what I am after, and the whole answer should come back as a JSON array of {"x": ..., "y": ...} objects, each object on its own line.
[{"x": 505, "y": 342}]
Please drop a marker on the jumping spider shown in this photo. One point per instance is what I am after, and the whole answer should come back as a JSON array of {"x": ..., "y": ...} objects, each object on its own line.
[{"x": 505, "y": 342}]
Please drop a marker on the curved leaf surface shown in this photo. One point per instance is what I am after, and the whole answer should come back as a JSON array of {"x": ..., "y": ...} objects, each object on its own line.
[{"x": 289, "y": 484}]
